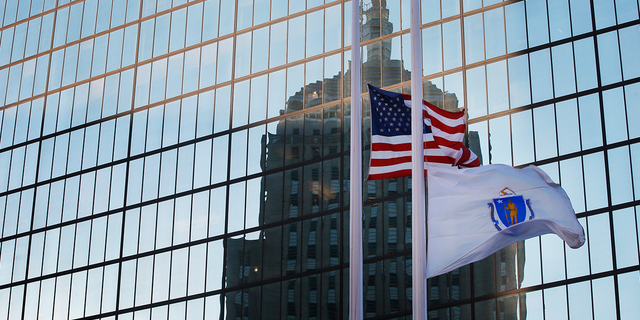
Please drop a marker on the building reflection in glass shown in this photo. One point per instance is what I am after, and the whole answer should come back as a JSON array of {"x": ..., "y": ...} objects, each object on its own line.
[{"x": 296, "y": 250}]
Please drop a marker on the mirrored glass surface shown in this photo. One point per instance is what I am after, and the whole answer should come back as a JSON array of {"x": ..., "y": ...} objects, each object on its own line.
[
  {"x": 451, "y": 45},
  {"x": 603, "y": 293},
  {"x": 629, "y": 286},
  {"x": 624, "y": 229},
  {"x": 474, "y": 39},
  {"x": 522, "y": 135},
  {"x": 497, "y": 89},
  {"x": 476, "y": 92},
  {"x": 620, "y": 175},
  {"x": 569, "y": 131},
  {"x": 500, "y": 138}
]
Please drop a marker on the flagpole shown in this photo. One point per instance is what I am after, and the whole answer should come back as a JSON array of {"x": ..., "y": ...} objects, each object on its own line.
[
  {"x": 355, "y": 213},
  {"x": 418, "y": 211}
]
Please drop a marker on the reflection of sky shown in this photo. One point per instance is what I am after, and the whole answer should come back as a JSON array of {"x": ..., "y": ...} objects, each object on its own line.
[{"x": 625, "y": 238}]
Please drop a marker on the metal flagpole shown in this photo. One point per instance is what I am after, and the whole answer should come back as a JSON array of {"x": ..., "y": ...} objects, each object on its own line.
[
  {"x": 355, "y": 214},
  {"x": 418, "y": 212}
]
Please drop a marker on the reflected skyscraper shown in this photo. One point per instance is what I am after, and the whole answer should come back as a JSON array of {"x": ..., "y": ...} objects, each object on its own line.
[
  {"x": 303, "y": 247},
  {"x": 189, "y": 159}
]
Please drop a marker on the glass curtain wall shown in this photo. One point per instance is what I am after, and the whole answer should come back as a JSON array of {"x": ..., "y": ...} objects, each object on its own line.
[{"x": 190, "y": 159}]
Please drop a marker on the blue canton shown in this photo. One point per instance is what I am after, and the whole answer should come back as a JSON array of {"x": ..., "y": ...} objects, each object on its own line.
[{"x": 389, "y": 115}]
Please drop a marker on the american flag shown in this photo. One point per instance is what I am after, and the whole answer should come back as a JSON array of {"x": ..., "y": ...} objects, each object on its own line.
[{"x": 391, "y": 136}]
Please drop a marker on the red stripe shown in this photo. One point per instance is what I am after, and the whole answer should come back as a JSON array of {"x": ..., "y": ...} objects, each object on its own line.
[
  {"x": 457, "y": 116},
  {"x": 445, "y": 128},
  {"x": 444, "y": 113},
  {"x": 394, "y": 174},
  {"x": 383, "y": 162},
  {"x": 474, "y": 163},
  {"x": 441, "y": 112},
  {"x": 439, "y": 159},
  {"x": 447, "y": 143},
  {"x": 389, "y": 161},
  {"x": 466, "y": 154},
  {"x": 379, "y": 146}
]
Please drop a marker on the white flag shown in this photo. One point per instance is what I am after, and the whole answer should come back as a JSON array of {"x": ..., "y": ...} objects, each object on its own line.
[{"x": 477, "y": 211}]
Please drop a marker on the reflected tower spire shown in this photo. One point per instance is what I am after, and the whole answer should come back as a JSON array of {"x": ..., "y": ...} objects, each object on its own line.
[{"x": 377, "y": 25}]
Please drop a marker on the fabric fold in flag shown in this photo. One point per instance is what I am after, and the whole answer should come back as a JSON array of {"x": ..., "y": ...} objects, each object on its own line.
[
  {"x": 475, "y": 212},
  {"x": 443, "y": 134}
]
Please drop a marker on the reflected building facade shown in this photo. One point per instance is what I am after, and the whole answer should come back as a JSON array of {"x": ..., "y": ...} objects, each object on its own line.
[{"x": 190, "y": 159}]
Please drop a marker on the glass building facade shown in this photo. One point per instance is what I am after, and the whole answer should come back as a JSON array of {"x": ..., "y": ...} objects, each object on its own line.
[{"x": 190, "y": 159}]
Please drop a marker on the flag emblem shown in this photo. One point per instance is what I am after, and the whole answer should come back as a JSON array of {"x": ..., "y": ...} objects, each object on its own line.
[{"x": 510, "y": 208}]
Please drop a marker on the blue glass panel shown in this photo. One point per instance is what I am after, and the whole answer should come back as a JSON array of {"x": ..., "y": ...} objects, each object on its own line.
[
  {"x": 609, "y": 58},
  {"x": 604, "y": 303},
  {"x": 630, "y": 51},
  {"x": 522, "y": 135},
  {"x": 494, "y": 26},
  {"x": 559, "y": 24},
  {"x": 605, "y": 13},
  {"x": 563, "y": 70},
  {"x": 474, "y": 40},
  {"x": 519, "y": 85},
  {"x": 537, "y": 27},
  {"x": 629, "y": 289}
]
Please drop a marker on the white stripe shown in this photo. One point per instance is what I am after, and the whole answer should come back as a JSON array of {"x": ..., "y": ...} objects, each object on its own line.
[
  {"x": 403, "y": 166},
  {"x": 398, "y": 139},
  {"x": 450, "y": 152},
  {"x": 456, "y": 137},
  {"x": 472, "y": 158},
  {"x": 446, "y": 121},
  {"x": 389, "y": 154},
  {"x": 397, "y": 154},
  {"x": 391, "y": 168}
]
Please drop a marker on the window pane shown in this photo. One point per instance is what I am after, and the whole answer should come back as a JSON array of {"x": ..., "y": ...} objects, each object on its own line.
[
  {"x": 473, "y": 33},
  {"x": 629, "y": 287},
  {"x": 494, "y": 27},
  {"x": 609, "y": 57},
  {"x": 626, "y": 239},
  {"x": 568, "y": 131},
  {"x": 595, "y": 183},
  {"x": 522, "y": 134},
  {"x": 451, "y": 44},
  {"x": 600, "y": 243}
]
